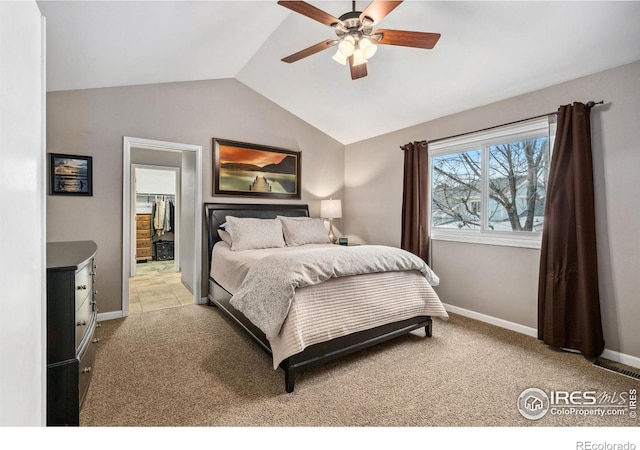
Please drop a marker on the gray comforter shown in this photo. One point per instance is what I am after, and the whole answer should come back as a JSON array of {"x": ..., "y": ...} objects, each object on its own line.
[{"x": 269, "y": 287}]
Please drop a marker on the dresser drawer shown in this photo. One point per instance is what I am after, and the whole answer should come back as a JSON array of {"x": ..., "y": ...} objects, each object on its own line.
[
  {"x": 143, "y": 221},
  {"x": 85, "y": 368},
  {"x": 143, "y": 234},
  {"x": 143, "y": 224},
  {"x": 83, "y": 319},
  {"x": 143, "y": 252},
  {"x": 84, "y": 283},
  {"x": 143, "y": 243}
]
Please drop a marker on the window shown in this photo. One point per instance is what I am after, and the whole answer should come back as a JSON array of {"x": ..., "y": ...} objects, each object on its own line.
[{"x": 489, "y": 186}]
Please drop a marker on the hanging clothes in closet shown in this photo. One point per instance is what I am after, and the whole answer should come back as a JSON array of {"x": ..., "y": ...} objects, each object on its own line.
[{"x": 163, "y": 215}]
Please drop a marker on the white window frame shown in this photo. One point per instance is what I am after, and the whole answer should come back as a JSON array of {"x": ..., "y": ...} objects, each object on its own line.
[{"x": 479, "y": 140}]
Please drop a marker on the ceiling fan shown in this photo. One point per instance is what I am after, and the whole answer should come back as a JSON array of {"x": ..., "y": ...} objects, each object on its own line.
[{"x": 356, "y": 39}]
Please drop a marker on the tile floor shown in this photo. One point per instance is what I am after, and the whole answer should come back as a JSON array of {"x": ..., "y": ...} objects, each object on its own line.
[{"x": 157, "y": 286}]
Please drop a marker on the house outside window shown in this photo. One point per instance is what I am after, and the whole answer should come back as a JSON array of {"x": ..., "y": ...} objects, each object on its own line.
[{"x": 490, "y": 186}]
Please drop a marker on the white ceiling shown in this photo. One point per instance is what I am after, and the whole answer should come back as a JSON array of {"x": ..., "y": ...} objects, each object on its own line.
[{"x": 489, "y": 51}]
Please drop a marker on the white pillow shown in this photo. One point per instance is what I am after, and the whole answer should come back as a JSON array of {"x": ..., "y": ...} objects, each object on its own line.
[
  {"x": 251, "y": 233},
  {"x": 224, "y": 235},
  {"x": 303, "y": 230}
]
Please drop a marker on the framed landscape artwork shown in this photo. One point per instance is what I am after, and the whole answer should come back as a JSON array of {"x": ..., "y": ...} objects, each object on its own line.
[
  {"x": 70, "y": 174},
  {"x": 253, "y": 170}
]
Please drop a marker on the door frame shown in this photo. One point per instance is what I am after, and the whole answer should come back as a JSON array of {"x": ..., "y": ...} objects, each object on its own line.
[
  {"x": 128, "y": 220},
  {"x": 134, "y": 198}
]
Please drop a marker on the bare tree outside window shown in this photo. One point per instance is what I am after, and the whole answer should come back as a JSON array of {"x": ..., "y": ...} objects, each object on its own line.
[
  {"x": 515, "y": 187},
  {"x": 455, "y": 189}
]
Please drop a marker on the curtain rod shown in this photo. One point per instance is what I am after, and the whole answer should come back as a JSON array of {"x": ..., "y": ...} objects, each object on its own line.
[{"x": 590, "y": 104}]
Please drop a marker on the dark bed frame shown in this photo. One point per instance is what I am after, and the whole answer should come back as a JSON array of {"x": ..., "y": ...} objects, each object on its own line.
[{"x": 314, "y": 355}]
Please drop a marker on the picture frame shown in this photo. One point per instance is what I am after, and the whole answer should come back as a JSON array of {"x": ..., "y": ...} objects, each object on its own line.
[
  {"x": 253, "y": 170},
  {"x": 70, "y": 174}
]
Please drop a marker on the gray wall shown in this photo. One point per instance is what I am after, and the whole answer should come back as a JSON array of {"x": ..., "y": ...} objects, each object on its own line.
[
  {"x": 502, "y": 281},
  {"x": 93, "y": 122}
]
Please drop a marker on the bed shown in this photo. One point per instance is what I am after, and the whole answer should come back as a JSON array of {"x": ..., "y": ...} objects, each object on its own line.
[{"x": 338, "y": 312}]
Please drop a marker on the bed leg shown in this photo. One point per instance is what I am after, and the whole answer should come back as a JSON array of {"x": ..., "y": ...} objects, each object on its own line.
[
  {"x": 289, "y": 375},
  {"x": 289, "y": 380},
  {"x": 428, "y": 329}
]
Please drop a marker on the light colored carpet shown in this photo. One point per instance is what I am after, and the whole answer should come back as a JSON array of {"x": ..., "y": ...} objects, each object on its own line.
[{"x": 191, "y": 366}]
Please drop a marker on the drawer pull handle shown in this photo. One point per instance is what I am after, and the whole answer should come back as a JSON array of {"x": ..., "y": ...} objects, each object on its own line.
[
  {"x": 83, "y": 323},
  {"x": 82, "y": 287},
  {"x": 86, "y": 370}
]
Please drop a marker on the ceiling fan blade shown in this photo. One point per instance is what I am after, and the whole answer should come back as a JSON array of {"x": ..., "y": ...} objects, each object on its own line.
[
  {"x": 310, "y": 11},
  {"x": 308, "y": 51},
  {"x": 359, "y": 71},
  {"x": 408, "y": 38},
  {"x": 377, "y": 10}
]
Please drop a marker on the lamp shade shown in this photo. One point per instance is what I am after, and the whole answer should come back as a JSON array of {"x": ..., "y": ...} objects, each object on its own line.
[{"x": 330, "y": 209}]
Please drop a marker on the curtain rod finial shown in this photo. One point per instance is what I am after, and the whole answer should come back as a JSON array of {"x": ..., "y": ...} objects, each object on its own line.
[{"x": 591, "y": 103}]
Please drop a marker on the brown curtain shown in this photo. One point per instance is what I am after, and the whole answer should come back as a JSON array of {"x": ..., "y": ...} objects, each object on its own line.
[
  {"x": 415, "y": 233},
  {"x": 568, "y": 299}
]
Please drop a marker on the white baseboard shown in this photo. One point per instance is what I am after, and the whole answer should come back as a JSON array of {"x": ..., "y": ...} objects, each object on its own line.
[
  {"x": 622, "y": 358},
  {"x": 611, "y": 355},
  {"x": 492, "y": 320}
]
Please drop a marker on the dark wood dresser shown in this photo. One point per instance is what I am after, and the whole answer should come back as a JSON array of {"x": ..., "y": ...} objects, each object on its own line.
[{"x": 71, "y": 323}]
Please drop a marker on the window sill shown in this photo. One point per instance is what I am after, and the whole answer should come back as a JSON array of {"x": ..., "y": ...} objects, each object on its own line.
[{"x": 529, "y": 241}]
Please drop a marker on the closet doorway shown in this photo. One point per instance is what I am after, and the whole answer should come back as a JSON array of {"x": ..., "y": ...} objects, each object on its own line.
[
  {"x": 157, "y": 210},
  {"x": 161, "y": 221},
  {"x": 155, "y": 280}
]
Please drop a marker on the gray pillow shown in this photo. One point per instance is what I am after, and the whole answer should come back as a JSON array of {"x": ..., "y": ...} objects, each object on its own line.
[
  {"x": 304, "y": 230},
  {"x": 250, "y": 233}
]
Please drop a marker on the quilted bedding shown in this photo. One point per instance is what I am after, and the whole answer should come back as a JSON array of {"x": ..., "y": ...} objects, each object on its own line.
[{"x": 266, "y": 293}]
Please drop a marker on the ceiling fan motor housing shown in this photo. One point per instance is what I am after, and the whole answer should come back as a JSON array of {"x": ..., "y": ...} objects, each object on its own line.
[{"x": 350, "y": 24}]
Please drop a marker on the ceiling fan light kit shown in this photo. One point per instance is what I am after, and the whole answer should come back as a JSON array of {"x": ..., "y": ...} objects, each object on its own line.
[
  {"x": 356, "y": 40},
  {"x": 360, "y": 47}
]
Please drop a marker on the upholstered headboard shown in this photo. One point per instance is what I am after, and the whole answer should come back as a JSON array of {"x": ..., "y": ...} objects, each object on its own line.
[{"x": 216, "y": 214}]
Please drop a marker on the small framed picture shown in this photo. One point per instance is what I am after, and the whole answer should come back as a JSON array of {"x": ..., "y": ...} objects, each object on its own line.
[{"x": 70, "y": 174}]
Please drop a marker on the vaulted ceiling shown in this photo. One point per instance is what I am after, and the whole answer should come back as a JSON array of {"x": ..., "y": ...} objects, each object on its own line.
[{"x": 489, "y": 51}]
